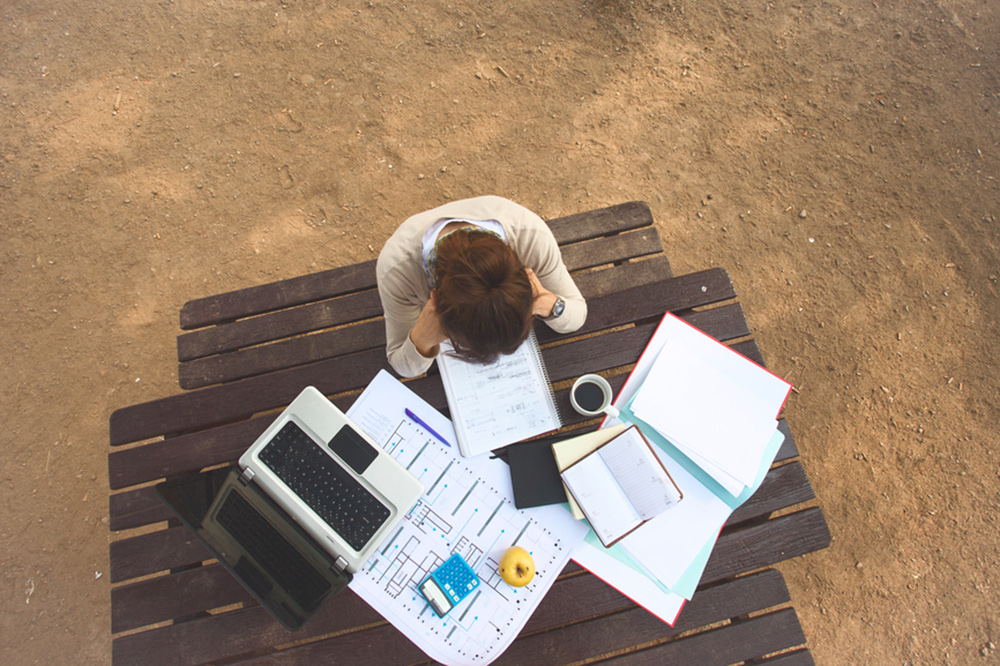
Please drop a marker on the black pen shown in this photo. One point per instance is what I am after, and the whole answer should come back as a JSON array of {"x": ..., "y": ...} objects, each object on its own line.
[{"x": 426, "y": 427}]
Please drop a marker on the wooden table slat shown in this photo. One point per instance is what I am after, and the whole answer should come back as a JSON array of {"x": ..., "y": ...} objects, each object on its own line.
[
  {"x": 281, "y": 324},
  {"x": 747, "y": 548},
  {"x": 793, "y": 658},
  {"x": 227, "y": 634},
  {"x": 153, "y": 552},
  {"x": 184, "y": 453},
  {"x": 177, "y": 595},
  {"x": 729, "y": 644},
  {"x": 601, "y": 222},
  {"x": 136, "y": 508},
  {"x": 286, "y": 293},
  {"x": 560, "y": 607},
  {"x": 611, "y": 279},
  {"x": 156, "y": 551},
  {"x": 644, "y": 300},
  {"x": 612, "y": 249},
  {"x": 359, "y": 305},
  {"x": 338, "y": 281},
  {"x": 782, "y": 487},
  {"x": 628, "y": 629}
]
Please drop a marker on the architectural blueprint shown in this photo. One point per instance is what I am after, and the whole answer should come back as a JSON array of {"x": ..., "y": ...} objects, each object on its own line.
[{"x": 467, "y": 508}]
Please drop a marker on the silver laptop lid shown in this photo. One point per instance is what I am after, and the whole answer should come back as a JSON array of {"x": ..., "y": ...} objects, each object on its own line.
[{"x": 313, "y": 440}]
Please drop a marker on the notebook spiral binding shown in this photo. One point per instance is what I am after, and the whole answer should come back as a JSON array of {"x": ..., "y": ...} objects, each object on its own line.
[{"x": 545, "y": 377}]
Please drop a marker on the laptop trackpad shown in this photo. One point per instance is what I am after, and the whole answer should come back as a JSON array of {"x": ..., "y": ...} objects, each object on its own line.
[{"x": 353, "y": 449}]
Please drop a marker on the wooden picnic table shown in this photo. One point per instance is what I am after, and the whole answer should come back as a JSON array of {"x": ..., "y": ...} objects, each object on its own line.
[{"x": 246, "y": 354}]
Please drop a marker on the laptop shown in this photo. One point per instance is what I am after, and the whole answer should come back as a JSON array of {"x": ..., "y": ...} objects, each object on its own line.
[{"x": 302, "y": 511}]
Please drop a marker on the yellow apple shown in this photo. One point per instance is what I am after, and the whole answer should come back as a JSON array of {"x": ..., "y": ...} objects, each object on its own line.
[{"x": 517, "y": 567}]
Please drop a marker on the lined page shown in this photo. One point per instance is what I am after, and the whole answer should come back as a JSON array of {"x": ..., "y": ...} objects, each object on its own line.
[
  {"x": 635, "y": 466},
  {"x": 603, "y": 501}
]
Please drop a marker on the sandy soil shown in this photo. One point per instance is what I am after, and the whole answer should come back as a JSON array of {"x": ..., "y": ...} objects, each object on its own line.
[{"x": 838, "y": 158}]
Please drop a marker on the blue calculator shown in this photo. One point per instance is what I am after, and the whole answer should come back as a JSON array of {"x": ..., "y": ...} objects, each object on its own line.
[{"x": 449, "y": 584}]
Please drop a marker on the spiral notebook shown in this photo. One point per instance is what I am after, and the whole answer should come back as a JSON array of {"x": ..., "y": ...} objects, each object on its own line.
[{"x": 499, "y": 403}]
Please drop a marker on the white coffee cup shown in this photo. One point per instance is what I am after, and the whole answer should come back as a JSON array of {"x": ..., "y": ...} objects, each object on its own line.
[{"x": 594, "y": 392}]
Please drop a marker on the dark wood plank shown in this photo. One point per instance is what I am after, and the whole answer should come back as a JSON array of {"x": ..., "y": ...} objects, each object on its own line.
[
  {"x": 601, "y": 222},
  {"x": 645, "y": 302},
  {"x": 730, "y": 644},
  {"x": 238, "y": 632},
  {"x": 281, "y": 354},
  {"x": 783, "y": 487},
  {"x": 788, "y": 449},
  {"x": 184, "y": 453},
  {"x": 156, "y": 551},
  {"x": 176, "y": 595},
  {"x": 626, "y": 630},
  {"x": 338, "y": 281},
  {"x": 276, "y": 295},
  {"x": 240, "y": 399},
  {"x": 281, "y": 324},
  {"x": 749, "y": 548},
  {"x": 612, "y": 249},
  {"x": 642, "y": 301},
  {"x": 794, "y": 658},
  {"x": 136, "y": 508},
  {"x": 382, "y": 645},
  {"x": 606, "y": 280}
]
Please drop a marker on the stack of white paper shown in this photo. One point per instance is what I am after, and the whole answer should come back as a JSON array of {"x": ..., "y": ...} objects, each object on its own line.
[{"x": 715, "y": 405}]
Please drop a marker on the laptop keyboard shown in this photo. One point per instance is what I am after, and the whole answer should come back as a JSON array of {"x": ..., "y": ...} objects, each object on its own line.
[
  {"x": 273, "y": 553},
  {"x": 329, "y": 490}
]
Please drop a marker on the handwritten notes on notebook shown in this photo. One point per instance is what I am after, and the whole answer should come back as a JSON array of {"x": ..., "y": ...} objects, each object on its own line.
[
  {"x": 500, "y": 403},
  {"x": 621, "y": 485}
]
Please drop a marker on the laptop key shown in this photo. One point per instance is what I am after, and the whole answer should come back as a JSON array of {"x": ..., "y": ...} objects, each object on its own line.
[{"x": 324, "y": 485}]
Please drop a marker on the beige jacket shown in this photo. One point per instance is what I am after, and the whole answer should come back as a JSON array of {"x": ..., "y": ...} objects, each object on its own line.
[{"x": 403, "y": 287}]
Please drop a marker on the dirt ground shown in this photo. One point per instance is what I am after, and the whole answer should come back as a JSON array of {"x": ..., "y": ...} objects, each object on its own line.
[{"x": 840, "y": 159}]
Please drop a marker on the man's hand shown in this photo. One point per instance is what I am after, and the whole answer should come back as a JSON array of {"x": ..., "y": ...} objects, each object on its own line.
[
  {"x": 427, "y": 333},
  {"x": 544, "y": 301}
]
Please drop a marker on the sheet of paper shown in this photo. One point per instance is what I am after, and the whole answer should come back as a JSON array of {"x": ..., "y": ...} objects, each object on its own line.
[
  {"x": 501, "y": 403},
  {"x": 707, "y": 398},
  {"x": 733, "y": 485},
  {"x": 667, "y": 545},
  {"x": 467, "y": 508},
  {"x": 629, "y": 579}
]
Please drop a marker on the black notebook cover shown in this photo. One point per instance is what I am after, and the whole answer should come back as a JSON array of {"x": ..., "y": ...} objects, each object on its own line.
[{"x": 534, "y": 475}]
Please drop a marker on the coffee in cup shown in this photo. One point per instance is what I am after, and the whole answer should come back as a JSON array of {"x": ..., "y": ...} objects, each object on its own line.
[{"x": 591, "y": 396}]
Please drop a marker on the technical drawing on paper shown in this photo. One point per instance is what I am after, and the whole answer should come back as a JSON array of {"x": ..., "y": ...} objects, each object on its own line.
[{"x": 465, "y": 509}]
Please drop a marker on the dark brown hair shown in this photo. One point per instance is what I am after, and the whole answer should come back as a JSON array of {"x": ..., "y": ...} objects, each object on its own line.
[{"x": 483, "y": 295}]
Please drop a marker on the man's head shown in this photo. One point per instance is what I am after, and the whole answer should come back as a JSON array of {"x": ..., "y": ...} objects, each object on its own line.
[{"x": 483, "y": 296}]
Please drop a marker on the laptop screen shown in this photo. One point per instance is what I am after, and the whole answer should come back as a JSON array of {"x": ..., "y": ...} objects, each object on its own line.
[{"x": 275, "y": 560}]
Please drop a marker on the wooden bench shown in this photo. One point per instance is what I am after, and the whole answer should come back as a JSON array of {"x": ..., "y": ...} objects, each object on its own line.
[{"x": 248, "y": 353}]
